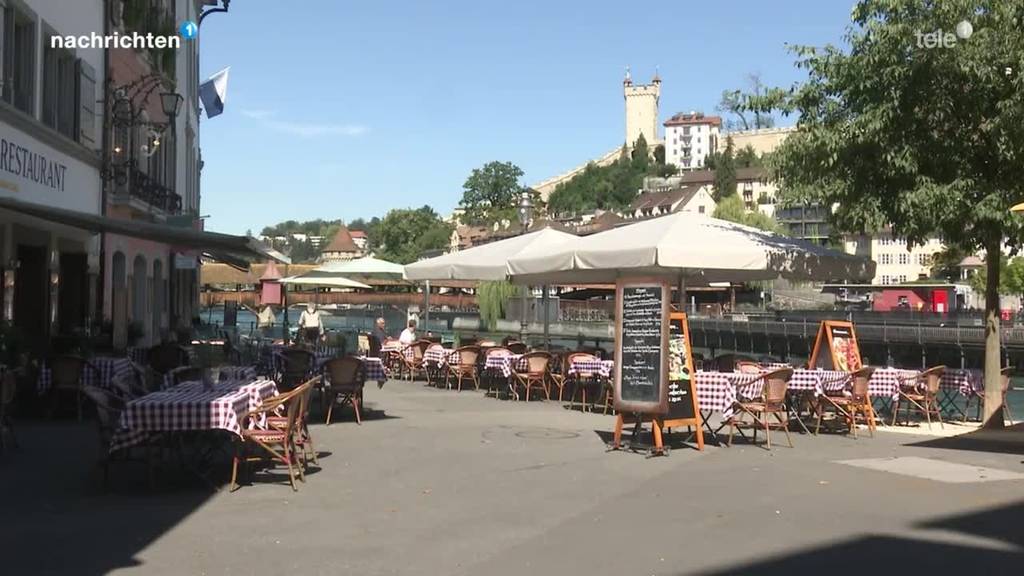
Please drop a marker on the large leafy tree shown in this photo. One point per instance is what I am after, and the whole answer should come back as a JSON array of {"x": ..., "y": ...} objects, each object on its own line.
[
  {"x": 404, "y": 234},
  {"x": 724, "y": 165},
  {"x": 929, "y": 141},
  {"x": 492, "y": 194}
]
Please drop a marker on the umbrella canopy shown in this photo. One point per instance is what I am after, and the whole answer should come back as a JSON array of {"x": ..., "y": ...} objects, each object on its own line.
[
  {"x": 487, "y": 261},
  {"x": 693, "y": 247},
  {"x": 364, "y": 267},
  {"x": 326, "y": 281}
]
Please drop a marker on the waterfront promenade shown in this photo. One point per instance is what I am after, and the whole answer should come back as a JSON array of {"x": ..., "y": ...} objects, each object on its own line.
[{"x": 455, "y": 483}]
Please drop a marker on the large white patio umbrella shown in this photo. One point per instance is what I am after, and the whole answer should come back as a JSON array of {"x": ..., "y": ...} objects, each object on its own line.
[
  {"x": 689, "y": 248},
  {"x": 323, "y": 280},
  {"x": 487, "y": 261}
]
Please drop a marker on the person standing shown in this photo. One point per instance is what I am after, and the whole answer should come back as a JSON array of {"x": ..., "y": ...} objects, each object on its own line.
[
  {"x": 310, "y": 323},
  {"x": 380, "y": 331}
]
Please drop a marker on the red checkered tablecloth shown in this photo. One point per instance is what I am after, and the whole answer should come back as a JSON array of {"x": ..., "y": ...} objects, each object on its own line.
[
  {"x": 602, "y": 368},
  {"x": 374, "y": 369},
  {"x": 190, "y": 407},
  {"x": 438, "y": 356},
  {"x": 886, "y": 382},
  {"x": 108, "y": 366},
  {"x": 503, "y": 364}
]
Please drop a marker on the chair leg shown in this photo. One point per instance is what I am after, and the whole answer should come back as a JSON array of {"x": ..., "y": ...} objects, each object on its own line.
[
  {"x": 732, "y": 428},
  {"x": 785, "y": 427},
  {"x": 355, "y": 404},
  {"x": 309, "y": 441},
  {"x": 895, "y": 410},
  {"x": 330, "y": 408},
  {"x": 234, "y": 467},
  {"x": 821, "y": 412},
  {"x": 853, "y": 419}
]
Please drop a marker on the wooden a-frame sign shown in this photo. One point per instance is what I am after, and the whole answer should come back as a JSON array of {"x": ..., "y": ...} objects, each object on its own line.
[{"x": 836, "y": 347}]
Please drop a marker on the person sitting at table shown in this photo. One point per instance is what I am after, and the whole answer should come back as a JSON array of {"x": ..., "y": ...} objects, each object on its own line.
[
  {"x": 408, "y": 336},
  {"x": 310, "y": 323},
  {"x": 380, "y": 331}
]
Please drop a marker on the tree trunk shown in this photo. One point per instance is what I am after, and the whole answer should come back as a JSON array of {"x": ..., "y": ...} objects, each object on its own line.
[{"x": 993, "y": 414}]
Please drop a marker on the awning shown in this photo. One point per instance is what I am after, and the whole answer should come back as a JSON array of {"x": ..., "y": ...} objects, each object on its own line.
[{"x": 213, "y": 243}]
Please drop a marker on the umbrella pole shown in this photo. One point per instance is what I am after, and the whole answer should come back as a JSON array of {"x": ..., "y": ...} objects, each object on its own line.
[
  {"x": 426, "y": 307},
  {"x": 682, "y": 294},
  {"x": 547, "y": 318},
  {"x": 284, "y": 301},
  {"x": 522, "y": 317}
]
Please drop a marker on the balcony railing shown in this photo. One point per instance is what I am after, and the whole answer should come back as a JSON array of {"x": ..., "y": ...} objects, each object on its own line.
[{"x": 153, "y": 193}]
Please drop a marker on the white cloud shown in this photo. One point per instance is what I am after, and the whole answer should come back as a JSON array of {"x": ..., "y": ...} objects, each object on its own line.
[{"x": 303, "y": 129}]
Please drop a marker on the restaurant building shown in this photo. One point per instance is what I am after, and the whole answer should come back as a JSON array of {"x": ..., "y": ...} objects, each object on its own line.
[{"x": 50, "y": 154}]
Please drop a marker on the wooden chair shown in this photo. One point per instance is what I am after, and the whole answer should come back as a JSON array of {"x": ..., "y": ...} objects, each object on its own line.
[
  {"x": 412, "y": 358},
  {"x": 849, "y": 406},
  {"x": 558, "y": 369},
  {"x": 108, "y": 407},
  {"x": 580, "y": 381},
  {"x": 345, "y": 378},
  {"x": 493, "y": 379},
  {"x": 129, "y": 385},
  {"x": 921, "y": 394},
  {"x": 771, "y": 403},
  {"x": 274, "y": 444},
  {"x": 8, "y": 389},
  {"x": 297, "y": 364},
  {"x": 66, "y": 380},
  {"x": 303, "y": 439},
  {"x": 536, "y": 364},
  {"x": 978, "y": 397},
  {"x": 466, "y": 367}
]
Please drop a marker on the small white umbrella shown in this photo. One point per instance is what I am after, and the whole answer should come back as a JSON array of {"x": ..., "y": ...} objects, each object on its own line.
[
  {"x": 486, "y": 261},
  {"x": 324, "y": 280},
  {"x": 367, "y": 267},
  {"x": 687, "y": 247}
]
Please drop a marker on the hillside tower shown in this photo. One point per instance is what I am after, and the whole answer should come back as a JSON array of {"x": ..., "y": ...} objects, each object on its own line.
[{"x": 641, "y": 109}]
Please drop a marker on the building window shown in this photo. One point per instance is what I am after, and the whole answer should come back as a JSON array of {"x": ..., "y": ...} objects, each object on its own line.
[
  {"x": 885, "y": 259},
  {"x": 686, "y": 130},
  {"x": 885, "y": 279},
  {"x": 904, "y": 259},
  {"x": 19, "y": 46},
  {"x": 700, "y": 209},
  {"x": 59, "y": 94},
  {"x": 903, "y": 278}
]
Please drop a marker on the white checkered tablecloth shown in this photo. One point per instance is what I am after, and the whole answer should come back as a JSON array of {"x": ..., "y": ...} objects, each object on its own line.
[
  {"x": 886, "y": 381},
  {"x": 108, "y": 367},
  {"x": 246, "y": 373},
  {"x": 190, "y": 407},
  {"x": 374, "y": 369},
  {"x": 439, "y": 356},
  {"x": 602, "y": 368},
  {"x": 503, "y": 363}
]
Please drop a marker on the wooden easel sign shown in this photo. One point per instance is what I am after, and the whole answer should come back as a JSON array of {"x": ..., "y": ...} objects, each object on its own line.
[
  {"x": 836, "y": 347},
  {"x": 683, "y": 408}
]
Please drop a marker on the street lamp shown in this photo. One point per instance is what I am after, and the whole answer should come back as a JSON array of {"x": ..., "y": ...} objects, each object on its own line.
[
  {"x": 171, "y": 104},
  {"x": 525, "y": 213}
]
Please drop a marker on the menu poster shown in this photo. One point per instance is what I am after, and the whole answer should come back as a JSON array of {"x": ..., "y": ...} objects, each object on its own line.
[
  {"x": 682, "y": 391},
  {"x": 641, "y": 346},
  {"x": 836, "y": 347}
]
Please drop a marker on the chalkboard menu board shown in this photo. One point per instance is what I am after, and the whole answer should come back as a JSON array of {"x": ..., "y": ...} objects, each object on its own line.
[
  {"x": 682, "y": 393},
  {"x": 641, "y": 345}
]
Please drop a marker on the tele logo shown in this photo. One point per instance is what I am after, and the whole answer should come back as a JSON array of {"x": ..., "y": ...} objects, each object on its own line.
[{"x": 942, "y": 39}]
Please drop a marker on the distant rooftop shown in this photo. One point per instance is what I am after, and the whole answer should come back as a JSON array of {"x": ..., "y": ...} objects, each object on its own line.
[{"x": 684, "y": 119}]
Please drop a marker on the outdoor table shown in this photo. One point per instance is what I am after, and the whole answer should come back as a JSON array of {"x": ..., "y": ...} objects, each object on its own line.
[
  {"x": 436, "y": 358},
  {"x": 374, "y": 369},
  {"x": 238, "y": 373},
  {"x": 885, "y": 384},
  {"x": 602, "y": 368},
  {"x": 191, "y": 407},
  {"x": 107, "y": 368}
]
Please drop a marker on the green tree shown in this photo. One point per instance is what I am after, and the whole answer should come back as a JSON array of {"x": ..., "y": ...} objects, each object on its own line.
[
  {"x": 404, "y": 234},
  {"x": 725, "y": 172},
  {"x": 733, "y": 209},
  {"x": 739, "y": 104},
  {"x": 747, "y": 157},
  {"x": 926, "y": 140},
  {"x": 492, "y": 194},
  {"x": 945, "y": 264}
]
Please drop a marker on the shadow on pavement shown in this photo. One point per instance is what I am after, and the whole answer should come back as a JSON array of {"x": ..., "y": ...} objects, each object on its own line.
[
  {"x": 1009, "y": 440},
  {"x": 896, "y": 555}
]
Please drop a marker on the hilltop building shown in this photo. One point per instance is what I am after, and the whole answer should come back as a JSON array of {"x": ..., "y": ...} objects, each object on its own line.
[{"x": 690, "y": 139}]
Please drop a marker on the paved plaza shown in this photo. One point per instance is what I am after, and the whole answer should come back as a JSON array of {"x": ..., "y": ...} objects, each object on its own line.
[{"x": 442, "y": 482}]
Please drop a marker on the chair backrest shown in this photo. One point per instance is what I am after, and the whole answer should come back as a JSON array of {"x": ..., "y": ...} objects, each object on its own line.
[
  {"x": 517, "y": 347},
  {"x": 536, "y": 362},
  {"x": 66, "y": 371},
  {"x": 931, "y": 377},
  {"x": 297, "y": 360},
  {"x": 419, "y": 347},
  {"x": 576, "y": 357},
  {"x": 190, "y": 374},
  {"x": 468, "y": 355},
  {"x": 859, "y": 382},
  {"x": 776, "y": 383},
  {"x": 166, "y": 357},
  {"x": 108, "y": 410},
  {"x": 1004, "y": 378},
  {"x": 486, "y": 343},
  {"x": 496, "y": 351},
  {"x": 346, "y": 371},
  {"x": 294, "y": 406},
  {"x": 748, "y": 367}
]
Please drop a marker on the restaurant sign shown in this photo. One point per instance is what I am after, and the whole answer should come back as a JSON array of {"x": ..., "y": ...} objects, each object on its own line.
[
  {"x": 39, "y": 173},
  {"x": 31, "y": 165}
]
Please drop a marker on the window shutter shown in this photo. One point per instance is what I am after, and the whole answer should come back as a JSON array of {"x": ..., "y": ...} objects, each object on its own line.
[{"x": 86, "y": 103}]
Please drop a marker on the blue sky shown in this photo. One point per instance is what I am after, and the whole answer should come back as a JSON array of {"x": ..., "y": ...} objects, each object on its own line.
[{"x": 343, "y": 109}]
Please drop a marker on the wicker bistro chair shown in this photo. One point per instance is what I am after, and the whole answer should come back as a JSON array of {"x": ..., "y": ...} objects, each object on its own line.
[
  {"x": 493, "y": 379},
  {"x": 517, "y": 347},
  {"x": 581, "y": 382},
  {"x": 412, "y": 358},
  {"x": 277, "y": 444},
  {"x": 748, "y": 367},
  {"x": 297, "y": 364},
  {"x": 345, "y": 378},
  {"x": 978, "y": 398},
  {"x": 920, "y": 394},
  {"x": 771, "y": 403},
  {"x": 850, "y": 405},
  {"x": 108, "y": 407},
  {"x": 303, "y": 439},
  {"x": 66, "y": 380},
  {"x": 535, "y": 375},
  {"x": 466, "y": 369},
  {"x": 558, "y": 369}
]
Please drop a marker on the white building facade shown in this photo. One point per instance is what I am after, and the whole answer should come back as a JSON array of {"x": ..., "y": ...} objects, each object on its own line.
[
  {"x": 896, "y": 262},
  {"x": 690, "y": 139},
  {"x": 50, "y": 142}
]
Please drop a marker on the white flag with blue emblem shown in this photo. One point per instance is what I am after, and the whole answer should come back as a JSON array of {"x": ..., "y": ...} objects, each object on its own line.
[{"x": 214, "y": 93}]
